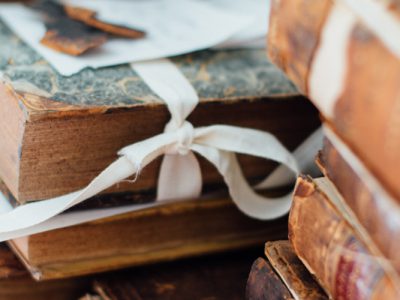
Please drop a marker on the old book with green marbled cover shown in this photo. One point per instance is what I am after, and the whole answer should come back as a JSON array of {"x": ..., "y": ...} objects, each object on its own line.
[{"x": 57, "y": 133}]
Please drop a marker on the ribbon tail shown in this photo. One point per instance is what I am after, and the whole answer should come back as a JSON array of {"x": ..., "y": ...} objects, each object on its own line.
[
  {"x": 37, "y": 212},
  {"x": 179, "y": 178},
  {"x": 168, "y": 82},
  {"x": 134, "y": 157},
  {"x": 245, "y": 141},
  {"x": 305, "y": 157},
  {"x": 242, "y": 194}
]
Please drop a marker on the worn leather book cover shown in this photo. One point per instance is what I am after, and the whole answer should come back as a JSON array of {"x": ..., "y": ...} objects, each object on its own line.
[
  {"x": 178, "y": 230},
  {"x": 57, "y": 133},
  {"x": 345, "y": 56},
  {"x": 376, "y": 212},
  {"x": 263, "y": 283},
  {"x": 345, "y": 265},
  {"x": 16, "y": 283},
  {"x": 218, "y": 277},
  {"x": 281, "y": 276},
  {"x": 293, "y": 273}
]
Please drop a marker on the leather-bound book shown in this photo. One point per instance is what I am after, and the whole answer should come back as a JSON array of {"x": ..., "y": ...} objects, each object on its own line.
[
  {"x": 16, "y": 283},
  {"x": 345, "y": 55},
  {"x": 263, "y": 283},
  {"x": 374, "y": 208},
  {"x": 218, "y": 277},
  {"x": 174, "y": 231},
  {"x": 346, "y": 265},
  {"x": 293, "y": 273},
  {"x": 281, "y": 276},
  {"x": 57, "y": 133}
]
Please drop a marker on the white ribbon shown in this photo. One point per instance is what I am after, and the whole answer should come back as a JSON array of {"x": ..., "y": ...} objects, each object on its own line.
[{"x": 180, "y": 175}]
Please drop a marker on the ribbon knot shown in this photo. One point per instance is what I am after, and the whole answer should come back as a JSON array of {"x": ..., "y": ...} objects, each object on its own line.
[{"x": 184, "y": 135}]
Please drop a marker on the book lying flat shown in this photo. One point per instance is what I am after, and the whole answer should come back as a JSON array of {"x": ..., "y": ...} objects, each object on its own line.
[
  {"x": 216, "y": 277},
  {"x": 162, "y": 233},
  {"x": 281, "y": 276},
  {"x": 58, "y": 133},
  {"x": 16, "y": 283},
  {"x": 334, "y": 249},
  {"x": 293, "y": 273},
  {"x": 263, "y": 283}
]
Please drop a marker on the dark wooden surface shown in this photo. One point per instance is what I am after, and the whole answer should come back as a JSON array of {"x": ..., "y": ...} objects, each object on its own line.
[{"x": 211, "y": 277}]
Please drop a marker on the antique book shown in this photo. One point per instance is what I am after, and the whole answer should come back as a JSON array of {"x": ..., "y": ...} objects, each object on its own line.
[
  {"x": 376, "y": 211},
  {"x": 58, "y": 133},
  {"x": 212, "y": 277},
  {"x": 16, "y": 283},
  {"x": 293, "y": 273},
  {"x": 329, "y": 56},
  {"x": 162, "y": 233},
  {"x": 281, "y": 276},
  {"x": 345, "y": 265},
  {"x": 263, "y": 283}
]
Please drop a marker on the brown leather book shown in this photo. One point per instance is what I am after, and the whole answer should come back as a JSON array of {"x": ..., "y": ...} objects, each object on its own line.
[
  {"x": 264, "y": 284},
  {"x": 375, "y": 210},
  {"x": 217, "y": 277},
  {"x": 281, "y": 276},
  {"x": 16, "y": 283},
  {"x": 177, "y": 230},
  {"x": 293, "y": 273},
  {"x": 57, "y": 133},
  {"x": 345, "y": 56},
  {"x": 345, "y": 265}
]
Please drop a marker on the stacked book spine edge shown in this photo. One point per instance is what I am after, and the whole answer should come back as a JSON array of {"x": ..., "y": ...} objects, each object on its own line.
[{"x": 344, "y": 227}]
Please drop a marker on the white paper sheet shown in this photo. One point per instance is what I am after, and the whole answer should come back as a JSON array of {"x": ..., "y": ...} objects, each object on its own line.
[
  {"x": 254, "y": 35},
  {"x": 174, "y": 27}
]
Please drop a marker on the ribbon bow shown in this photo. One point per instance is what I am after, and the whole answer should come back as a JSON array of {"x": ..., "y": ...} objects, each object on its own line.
[{"x": 180, "y": 175}]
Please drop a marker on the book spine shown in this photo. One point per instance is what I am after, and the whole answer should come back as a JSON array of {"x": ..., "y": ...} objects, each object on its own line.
[
  {"x": 292, "y": 38},
  {"x": 379, "y": 215},
  {"x": 332, "y": 250},
  {"x": 345, "y": 55},
  {"x": 263, "y": 283},
  {"x": 292, "y": 271}
]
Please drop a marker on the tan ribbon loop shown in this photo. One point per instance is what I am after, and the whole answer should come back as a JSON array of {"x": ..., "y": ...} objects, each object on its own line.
[
  {"x": 180, "y": 174},
  {"x": 179, "y": 178},
  {"x": 242, "y": 194}
]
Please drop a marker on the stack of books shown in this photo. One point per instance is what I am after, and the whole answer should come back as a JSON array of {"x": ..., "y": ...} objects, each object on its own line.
[
  {"x": 57, "y": 133},
  {"x": 281, "y": 276},
  {"x": 345, "y": 56}
]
